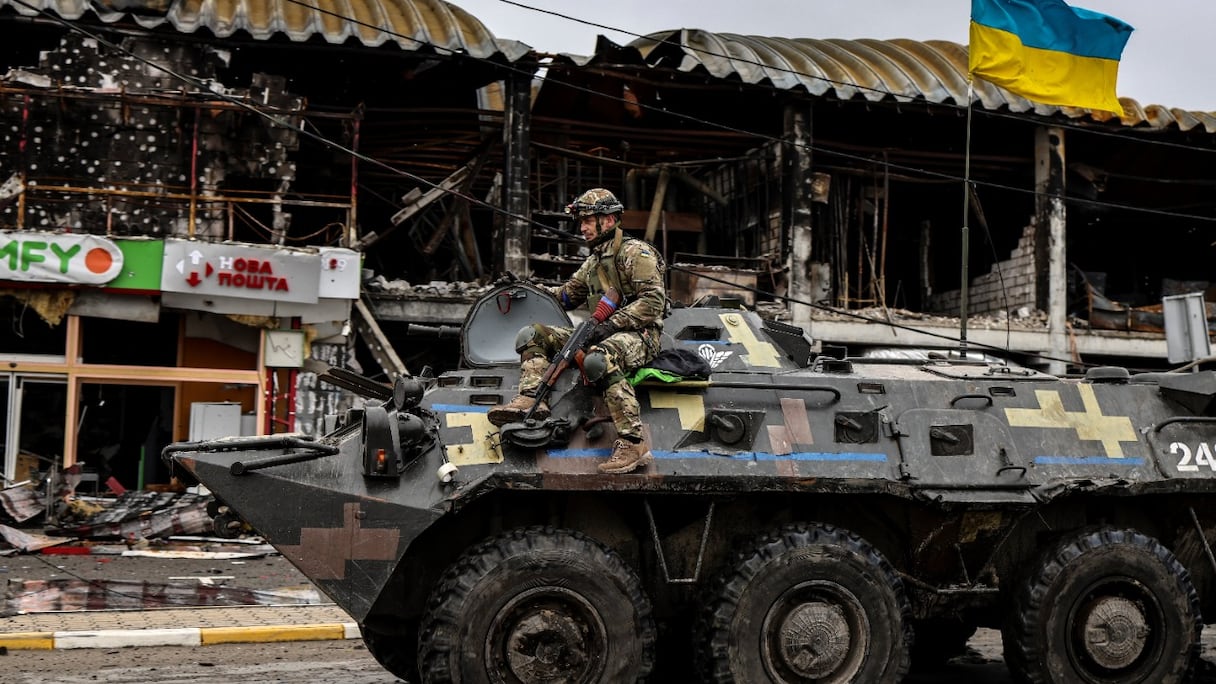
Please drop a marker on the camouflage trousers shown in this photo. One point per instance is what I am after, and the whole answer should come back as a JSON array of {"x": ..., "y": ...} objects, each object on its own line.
[{"x": 624, "y": 352}]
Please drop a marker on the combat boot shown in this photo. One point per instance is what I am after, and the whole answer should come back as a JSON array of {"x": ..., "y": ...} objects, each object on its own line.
[
  {"x": 516, "y": 409},
  {"x": 626, "y": 457}
]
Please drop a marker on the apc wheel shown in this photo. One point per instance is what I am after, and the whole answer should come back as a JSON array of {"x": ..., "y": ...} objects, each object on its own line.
[
  {"x": 395, "y": 652},
  {"x": 1111, "y": 606},
  {"x": 538, "y": 605},
  {"x": 811, "y": 603}
]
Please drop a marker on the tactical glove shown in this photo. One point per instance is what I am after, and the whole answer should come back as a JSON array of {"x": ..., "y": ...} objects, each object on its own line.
[{"x": 601, "y": 332}]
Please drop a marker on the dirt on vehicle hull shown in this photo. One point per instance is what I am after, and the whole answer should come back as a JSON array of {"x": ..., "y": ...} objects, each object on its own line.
[{"x": 804, "y": 518}]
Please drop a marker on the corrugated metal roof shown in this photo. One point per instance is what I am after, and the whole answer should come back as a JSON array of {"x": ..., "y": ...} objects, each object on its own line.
[
  {"x": 411, "y": 24},
  {"x": 902, "y": 70}
]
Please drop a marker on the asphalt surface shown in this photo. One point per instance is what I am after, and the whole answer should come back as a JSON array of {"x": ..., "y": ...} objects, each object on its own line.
[
  {"x": 270, "y": 572},
  {"x": 311, "y": 662},
  {"x": 250, "y": 643},
  {"x": 152, "y": 623}
]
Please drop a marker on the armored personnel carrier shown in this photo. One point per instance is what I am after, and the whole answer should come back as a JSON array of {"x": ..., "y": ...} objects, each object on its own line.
[{"x": 826, "y": 519}]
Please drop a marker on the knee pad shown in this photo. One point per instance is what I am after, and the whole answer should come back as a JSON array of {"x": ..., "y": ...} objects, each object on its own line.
[
  {"x": 595, "y": 366},
  {"x": 526, "y": 337}
]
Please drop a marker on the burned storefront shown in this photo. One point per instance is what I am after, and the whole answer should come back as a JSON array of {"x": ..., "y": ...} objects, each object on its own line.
[
  {"x": 372, "y": 173},
  {"x": 837, "y": 179},
  {"x": 211, "y": 160},
  {"x": 822, "y": 181}
]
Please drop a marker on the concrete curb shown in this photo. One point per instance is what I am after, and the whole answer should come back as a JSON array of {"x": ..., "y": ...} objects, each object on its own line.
[{"x": 187, "y": 636}]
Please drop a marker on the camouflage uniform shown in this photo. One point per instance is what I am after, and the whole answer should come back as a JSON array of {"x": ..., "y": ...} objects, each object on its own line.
[{"x": 636, "y": 270}]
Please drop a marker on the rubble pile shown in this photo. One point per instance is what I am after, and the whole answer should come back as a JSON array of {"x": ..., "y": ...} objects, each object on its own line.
[
  {"x": 435, "y": 288},
  {"x": 156, "y": 530},
  {"x": 19, "y": 505},
  {"x": 40, "y": 596},
  {"x": 135, "y": 515},
  {"x": 1021, "y": 318}
]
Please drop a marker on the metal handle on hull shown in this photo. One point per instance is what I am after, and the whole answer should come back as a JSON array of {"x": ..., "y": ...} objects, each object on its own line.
[{"x": 243, "y": 467}]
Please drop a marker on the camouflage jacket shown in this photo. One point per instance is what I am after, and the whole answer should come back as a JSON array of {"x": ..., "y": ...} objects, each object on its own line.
[{"x": 636, "y": 269}]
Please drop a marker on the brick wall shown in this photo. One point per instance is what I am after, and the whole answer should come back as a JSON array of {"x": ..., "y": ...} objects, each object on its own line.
[{"x": 1009, "y": 285}]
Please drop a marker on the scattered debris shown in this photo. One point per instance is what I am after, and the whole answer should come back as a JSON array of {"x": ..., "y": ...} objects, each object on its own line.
[
  {"x": 251, "y": 541},
  {"x": 207, "y": 580},
  {"x": 1021, "y": 318},
  {"x": 21, "y": 503},
  {"x": 40, "y": 596},
  {"x": 137, "y": 515},
  {"x": 28, "y": 541},
  {"x": 199, "y": 555},
  {"x": 442, "y": 288}
]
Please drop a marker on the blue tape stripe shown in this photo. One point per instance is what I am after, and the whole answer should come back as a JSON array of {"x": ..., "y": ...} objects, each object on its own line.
[
  {"x": 820, "y": 456},
  {"x": 1053, "y": 25},
  {"x": 459, "y": 408},
  {"x": 1088, "y": 460},
  {"x": 579, "y": 453}
]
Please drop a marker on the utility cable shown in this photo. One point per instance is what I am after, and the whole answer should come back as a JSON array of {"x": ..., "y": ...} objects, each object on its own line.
[
  {"x": 560, "y": 235},
  {"x": 287, "y": 124},
  {"x": 856, "y": 86},
  {"x": 880, "y": 321},
  {"x": 661, "y": 110},
  {"x": 757, "y": 135}
]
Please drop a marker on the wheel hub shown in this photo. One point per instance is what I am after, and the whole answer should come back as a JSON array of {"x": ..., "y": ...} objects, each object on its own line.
[
  {"x": 545, "y": 644},
  {"x": 1114, "y": 632},
  {"x": 814, "y": 639},
  {"x": 547, "y": 635}
]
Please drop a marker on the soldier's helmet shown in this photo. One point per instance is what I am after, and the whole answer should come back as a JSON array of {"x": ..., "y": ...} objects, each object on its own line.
[{"x": 595, "y": 201}]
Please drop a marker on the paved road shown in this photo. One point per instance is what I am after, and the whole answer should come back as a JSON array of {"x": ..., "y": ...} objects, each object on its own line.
[
  {"x": 324, "y": 662},
  {"x": 342, "y": 662}
]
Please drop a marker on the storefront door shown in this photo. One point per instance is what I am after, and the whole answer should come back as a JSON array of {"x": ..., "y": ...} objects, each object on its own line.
[{"x": 33, "y": 431}]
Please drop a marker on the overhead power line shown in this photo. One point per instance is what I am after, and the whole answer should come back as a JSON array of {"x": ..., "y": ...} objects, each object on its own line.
[{"x": 282, "y": 122}]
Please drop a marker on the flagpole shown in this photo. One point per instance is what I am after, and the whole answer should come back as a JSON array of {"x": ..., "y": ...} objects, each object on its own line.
[{"x": 964, "y": 277}]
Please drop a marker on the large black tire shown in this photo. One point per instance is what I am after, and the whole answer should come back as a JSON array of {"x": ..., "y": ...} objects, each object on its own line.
[
  {"x": 396, "y": 652},
  {"x": 808, "y": 603},
  {"x": 537, "y": 605},
  {"x": 1107, "y": 606}
]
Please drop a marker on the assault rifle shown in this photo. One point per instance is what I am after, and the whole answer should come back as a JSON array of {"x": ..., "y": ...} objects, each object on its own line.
[{"x": 608, "y": 303}]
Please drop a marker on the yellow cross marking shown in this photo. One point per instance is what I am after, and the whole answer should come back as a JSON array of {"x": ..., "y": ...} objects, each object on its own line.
[
  {"x": 1089, "y": 424},
  {"x": 691, "y": 407},
  {"x": 483, "y": 449},
  {"x": 759, "y": 353}
]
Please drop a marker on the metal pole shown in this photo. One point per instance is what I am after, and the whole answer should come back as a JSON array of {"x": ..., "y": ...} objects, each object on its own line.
[
  {"x": 352, "y": 218},
  {"x": 191, "y": 226},
  {"x": 966, "y": 238}
]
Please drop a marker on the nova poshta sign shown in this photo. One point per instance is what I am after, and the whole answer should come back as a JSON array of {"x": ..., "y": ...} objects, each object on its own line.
[{"x": 80, "y": 259}]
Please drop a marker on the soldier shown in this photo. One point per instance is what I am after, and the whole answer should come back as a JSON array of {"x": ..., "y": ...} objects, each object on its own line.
[{"x": 623, "y": 342}]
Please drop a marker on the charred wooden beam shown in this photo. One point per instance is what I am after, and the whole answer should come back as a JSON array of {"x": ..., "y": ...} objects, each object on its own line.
[
  {"x": 516, "y": 125},
  {"x": 382, "y": 350}
]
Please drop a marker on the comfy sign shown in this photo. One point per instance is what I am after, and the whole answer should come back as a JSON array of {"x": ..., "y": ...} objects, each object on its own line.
[{"x": 58, "y": 258}]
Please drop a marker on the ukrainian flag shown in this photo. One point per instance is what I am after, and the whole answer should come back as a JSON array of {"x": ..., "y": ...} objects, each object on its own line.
[{"x": 1048, "y": 52}]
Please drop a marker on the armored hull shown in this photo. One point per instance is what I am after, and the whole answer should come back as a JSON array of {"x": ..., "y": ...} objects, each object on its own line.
[{"x": 826, "y": 520}]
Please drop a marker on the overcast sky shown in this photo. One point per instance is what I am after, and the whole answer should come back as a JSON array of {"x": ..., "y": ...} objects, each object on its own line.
[{"x": 1168, "y": 60}]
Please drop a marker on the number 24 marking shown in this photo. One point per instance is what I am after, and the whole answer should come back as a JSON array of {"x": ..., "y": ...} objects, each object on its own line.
[{"x": 1202, "y": 457}]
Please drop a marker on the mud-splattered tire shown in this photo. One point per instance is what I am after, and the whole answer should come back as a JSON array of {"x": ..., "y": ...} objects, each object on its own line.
[
  {"x": 1108, "y": 606},
  {"x": 537, "y": 605},
  {"x": 808, "y": 603},
  {"x": 396, "y": 653}
]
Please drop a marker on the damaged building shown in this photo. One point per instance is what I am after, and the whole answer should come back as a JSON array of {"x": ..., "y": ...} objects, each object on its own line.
[
  {"x": 181, "y": 190},
  {"x": 280, "y": 182}
]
